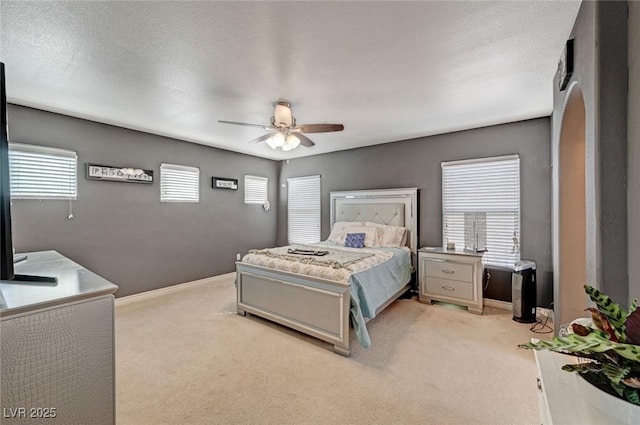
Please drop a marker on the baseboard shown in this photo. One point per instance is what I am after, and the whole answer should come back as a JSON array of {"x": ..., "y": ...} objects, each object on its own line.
[
  {"x": 504, "y": 305},
  {"x": 142, "y": 296}
]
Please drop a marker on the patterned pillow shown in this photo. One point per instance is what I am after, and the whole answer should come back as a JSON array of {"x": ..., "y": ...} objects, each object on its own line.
[
  {"x": 371, "y": 235},
  {"x": 354, "y": 240}
]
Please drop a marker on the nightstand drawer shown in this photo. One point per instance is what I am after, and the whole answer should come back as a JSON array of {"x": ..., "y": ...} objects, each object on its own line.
[
  {"x": 444, "y": 269},
  {"x": 449, "y": 288}
]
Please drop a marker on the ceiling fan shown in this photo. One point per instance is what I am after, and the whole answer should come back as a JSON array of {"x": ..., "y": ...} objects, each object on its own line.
[{"x": 284, "y": 133}]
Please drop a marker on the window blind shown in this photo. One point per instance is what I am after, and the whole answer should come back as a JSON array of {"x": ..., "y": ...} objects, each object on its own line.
[
  {"x": 255, "y": 189},
  {"x": 179, "y": 183},
  {"x": 488, "y": 190},
  {"x": 303, "y": 209},
  {"x": 39, "y": 172}
]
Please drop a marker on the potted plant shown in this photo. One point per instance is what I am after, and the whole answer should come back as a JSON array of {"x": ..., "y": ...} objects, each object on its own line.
[{"x": 610, "y": 348}]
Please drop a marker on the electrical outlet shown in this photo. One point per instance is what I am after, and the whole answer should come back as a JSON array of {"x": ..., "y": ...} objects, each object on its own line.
[{"x": 238, "y": 257}]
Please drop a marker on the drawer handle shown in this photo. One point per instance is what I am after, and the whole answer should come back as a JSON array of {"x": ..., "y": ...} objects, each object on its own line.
[
  {"x": 448, "y": 271},
  {"x": 448, "y": 288}
]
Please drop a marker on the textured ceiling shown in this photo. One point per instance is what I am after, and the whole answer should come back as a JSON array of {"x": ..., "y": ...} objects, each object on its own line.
[{"x": 388, "y": 71}]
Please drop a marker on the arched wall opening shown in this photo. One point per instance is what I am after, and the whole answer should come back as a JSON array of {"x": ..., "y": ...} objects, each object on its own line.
[{"x": 571, "y": 270}]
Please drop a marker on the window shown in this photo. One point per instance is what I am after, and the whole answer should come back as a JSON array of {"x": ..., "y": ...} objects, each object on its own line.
[
  {"x": 481, "y": 200},
  {"x": 255, "y": 190},
  {"x": 179, "y": 183},
  {"x": 39, "y": 172},
  {"x": 304, "y": 209}
]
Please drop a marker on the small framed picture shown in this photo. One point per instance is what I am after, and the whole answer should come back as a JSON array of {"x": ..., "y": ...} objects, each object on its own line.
[{"x": 224, "y": 183}]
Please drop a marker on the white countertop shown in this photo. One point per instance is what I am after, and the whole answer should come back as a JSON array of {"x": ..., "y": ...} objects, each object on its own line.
[
  {"x": 74, "y": 283},
  {"x": 566, "y": 404}
]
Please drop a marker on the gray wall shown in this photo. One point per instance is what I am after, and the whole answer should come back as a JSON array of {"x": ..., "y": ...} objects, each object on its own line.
[
  {"x": 633, "y": 199},
  {"x": 612, "y": 62},
  {"x": 416, "y": 163},
  {"x": 600, "y": 69},
  {"x": 121, "y": 230}
]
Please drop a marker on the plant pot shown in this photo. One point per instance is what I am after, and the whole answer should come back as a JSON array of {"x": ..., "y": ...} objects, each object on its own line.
[{"x": 608, "y": 405}]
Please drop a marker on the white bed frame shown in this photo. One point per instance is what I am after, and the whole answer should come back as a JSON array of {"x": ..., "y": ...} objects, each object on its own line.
[{"x": 320, "y": 307}]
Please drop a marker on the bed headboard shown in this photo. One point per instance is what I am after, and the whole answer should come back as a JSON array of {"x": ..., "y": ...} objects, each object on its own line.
[{"x": 394, "y": 207}]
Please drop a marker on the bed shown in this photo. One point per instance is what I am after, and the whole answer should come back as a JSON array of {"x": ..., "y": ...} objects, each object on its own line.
[{"x": 321, "y": 295}]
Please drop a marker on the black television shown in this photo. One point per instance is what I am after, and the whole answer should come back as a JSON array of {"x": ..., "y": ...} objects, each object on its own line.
[{"x": 6, "y": 238}]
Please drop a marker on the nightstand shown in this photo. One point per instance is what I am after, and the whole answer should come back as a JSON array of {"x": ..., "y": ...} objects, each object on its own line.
[{"x": 452, "y": 276}]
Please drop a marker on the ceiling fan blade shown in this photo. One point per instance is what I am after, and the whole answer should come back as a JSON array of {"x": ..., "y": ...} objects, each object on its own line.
[
  {"x": 304, "y": 140},
  {"x": 246, "y": 124},
  {"x": 318, "y": 128},
  {"x": 262, "y": 138}
]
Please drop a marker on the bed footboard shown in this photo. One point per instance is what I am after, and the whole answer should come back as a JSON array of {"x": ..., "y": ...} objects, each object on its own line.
[{"x": 314, "y": 306}]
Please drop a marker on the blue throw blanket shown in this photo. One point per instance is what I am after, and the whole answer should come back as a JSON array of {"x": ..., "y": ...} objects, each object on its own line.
[{"x": 372, "y": 288}]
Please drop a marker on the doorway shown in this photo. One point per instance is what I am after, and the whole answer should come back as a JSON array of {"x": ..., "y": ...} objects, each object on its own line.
[{"x": 572, "y": 264}]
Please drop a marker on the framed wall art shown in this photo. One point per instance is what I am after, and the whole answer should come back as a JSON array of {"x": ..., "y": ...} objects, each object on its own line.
[
  {"x": 224, "y": 183},
  {"x": 119, "y": 174}
]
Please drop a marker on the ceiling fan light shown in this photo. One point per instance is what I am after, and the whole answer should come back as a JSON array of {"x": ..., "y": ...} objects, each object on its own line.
[
  {"x": 278, "y": 139},
  {"x": 271, "y": 143},
  {"x": 292, "y": 141}
]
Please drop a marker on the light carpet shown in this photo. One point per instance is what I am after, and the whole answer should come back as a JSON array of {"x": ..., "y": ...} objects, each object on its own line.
[{"x": 187, "y": 358}]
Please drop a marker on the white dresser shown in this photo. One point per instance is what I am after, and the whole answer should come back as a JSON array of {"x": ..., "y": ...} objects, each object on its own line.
[
  {"x": 57, "y": 345},
  {"x": 450, "y": 276}
]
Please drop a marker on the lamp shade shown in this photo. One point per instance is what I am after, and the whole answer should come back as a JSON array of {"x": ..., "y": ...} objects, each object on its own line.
[
  {"x": 278, "y": 139},
  {"x": 293, "y": 141}
]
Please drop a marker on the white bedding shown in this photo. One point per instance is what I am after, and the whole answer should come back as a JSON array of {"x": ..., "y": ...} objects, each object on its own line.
[{"x": 277, "y": 258}]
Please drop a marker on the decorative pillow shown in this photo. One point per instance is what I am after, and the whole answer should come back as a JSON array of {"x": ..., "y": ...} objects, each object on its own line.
[
  {"x": 371, "y": 237},
  {"x": 354, "y": 240},
  {"x": 338, "y": 232},
  {"x": 390, "y": 236}
]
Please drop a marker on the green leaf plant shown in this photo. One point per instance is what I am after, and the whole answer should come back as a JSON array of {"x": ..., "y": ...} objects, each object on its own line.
[{"x": 611, "y": 348}]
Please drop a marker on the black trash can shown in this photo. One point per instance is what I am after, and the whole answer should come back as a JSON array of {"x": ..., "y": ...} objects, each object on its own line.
[{"x": 523, "y": 291}]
